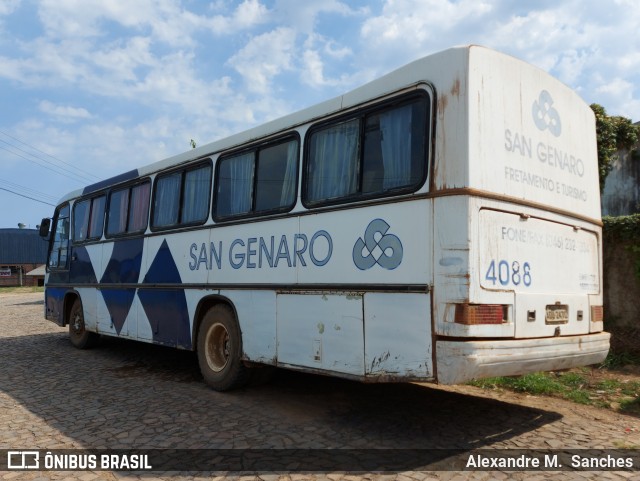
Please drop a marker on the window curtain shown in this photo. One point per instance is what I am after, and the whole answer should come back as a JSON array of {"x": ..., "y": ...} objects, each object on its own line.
[
  {"x": 118, "y": 208},
  {"x": 60, "y": 246},
  {"x": 396, "y": 146},
  {"x": 81, "y": 220},
  {"x": 334, "y": 159},
  {"x": 195, "y": 203},
  {"x": 237, "y": 183},
  {"x": 167, "y": 200},
  {"x": 289, "y": 182},
  {"x": 139, "y": 207},
  {"x": 97, "y": 217}
]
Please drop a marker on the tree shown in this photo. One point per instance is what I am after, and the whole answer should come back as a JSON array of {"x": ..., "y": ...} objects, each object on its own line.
[{"x": 614, "y": 133}]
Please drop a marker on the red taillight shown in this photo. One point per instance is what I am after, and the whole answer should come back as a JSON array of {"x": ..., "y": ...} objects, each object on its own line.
[
  {"x": 480, "y": 314},
  {"x": 597, "y": 313}
]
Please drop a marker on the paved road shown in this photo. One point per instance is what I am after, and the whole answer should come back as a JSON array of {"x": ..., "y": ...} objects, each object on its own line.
[{"x": 124, "y": 394}]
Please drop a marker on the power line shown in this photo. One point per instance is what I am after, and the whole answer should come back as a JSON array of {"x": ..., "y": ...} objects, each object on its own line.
[
  {"x": 27, "y": 197},
  {"x": 28, "y": 190},
  {"x": 78, "y": 177},
  {"x": 75, "y": 168}
]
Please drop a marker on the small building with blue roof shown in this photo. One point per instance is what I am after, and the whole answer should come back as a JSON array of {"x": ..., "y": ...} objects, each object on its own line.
[{"x": 21, "y": 251}]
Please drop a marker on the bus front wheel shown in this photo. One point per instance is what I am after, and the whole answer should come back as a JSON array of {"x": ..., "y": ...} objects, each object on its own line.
[
  {"x": 80, "y": 337},
  {"x": 220, "y": 349}
]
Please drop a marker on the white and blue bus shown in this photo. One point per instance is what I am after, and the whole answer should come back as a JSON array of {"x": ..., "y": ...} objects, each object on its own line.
[{"x": 440, "y": 223}]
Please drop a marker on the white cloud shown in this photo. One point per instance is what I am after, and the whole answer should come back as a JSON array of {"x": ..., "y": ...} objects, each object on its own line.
[
  {"x": 123, "y": 60},
  {"x": 406, "y": 25},
  {"x": 303, "y": 15},
  {"x": 7, "y": 7},
  {"x": 165, "y": 21},
  {"x": 313, "y": 68},
  {"x": 65, "y": 113},
  {"x": 248, "y": 14},
  {"x": 318, "y": 56},
  {"x": 264, "y": 57},
  {"x": 572, "y": 41}
]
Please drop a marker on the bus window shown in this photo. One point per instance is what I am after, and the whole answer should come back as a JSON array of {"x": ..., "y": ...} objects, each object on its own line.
[
  {"x": 139, "y": 207},
  {"x": 128, "y": 210},
  {"x": 118, "y": 208},
  {"x": 81, "y": 211},
  {"x": 88, "y": 217},
  {"x": 333, "y": 162},
  {"x": 96, "y": 222},
  {"x": 166, "y": 205},
  {"x": 393, "y": 157},
  {"x": 276, "y": 177},
  {"x": 196, "y": 196},
  {"x": 182, "y": 198},
  {"x": 274, "y": 168},
  {"x": 60, "y": 247},
  {"x": 394, "y": 145},
  {"x": 235, "y": 181}
]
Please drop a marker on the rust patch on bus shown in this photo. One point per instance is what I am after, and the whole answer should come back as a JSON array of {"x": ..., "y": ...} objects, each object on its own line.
[
  {"x": 443, "y": 101},
  {"x": 455, "y": 90},
  {"x": 379, "y": 360}
]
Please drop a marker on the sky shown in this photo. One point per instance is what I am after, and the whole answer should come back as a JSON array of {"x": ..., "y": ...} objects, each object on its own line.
[{"x": 93, "y": 88}]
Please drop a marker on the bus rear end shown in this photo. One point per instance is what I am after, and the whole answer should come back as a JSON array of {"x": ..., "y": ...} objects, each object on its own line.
[{"x": 518, "y": 280}]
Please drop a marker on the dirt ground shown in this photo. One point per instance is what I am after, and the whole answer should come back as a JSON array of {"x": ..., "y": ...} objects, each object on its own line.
[{"x": 560, "y": 406}]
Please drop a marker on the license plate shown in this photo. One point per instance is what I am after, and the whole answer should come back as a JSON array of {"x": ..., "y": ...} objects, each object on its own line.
[{"x": 557, "y": 314}]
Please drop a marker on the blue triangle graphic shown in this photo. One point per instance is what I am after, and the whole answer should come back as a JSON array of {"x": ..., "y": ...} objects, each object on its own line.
[
  {"x": 123, "y": 268},
  {"x": 124, "y": 264},
  {"x": 166, "y": 309},
  {"x": 118, "y": 303},
  {"x": 82, "y": 271},
  {"x": 163, "y": 269}
]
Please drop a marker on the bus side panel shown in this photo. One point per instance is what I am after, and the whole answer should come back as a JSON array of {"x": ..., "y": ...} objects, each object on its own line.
[
  {"x": 398, "y": 336},
  {"x": 54, "y": 304},
  {"x": 116, "y": 311},
  {"x": 384, "y": 245},
  {"x": 89, "y": 307},
  {"x": 323, "y": 332},
  {"x": 86, "y": 266},
  {"x": 165, "y": 305},
  {"x": 256, "y": 314}
]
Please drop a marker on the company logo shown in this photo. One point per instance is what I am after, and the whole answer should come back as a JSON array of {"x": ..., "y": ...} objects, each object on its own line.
[
  {"x": 378, "y": 247},
  {"x": 545, "y": 116},
  {"x": 23, "y": 460}
]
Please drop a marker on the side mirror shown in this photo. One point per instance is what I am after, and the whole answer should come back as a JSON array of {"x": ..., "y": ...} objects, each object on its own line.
[{"x": 44, "y": 228}]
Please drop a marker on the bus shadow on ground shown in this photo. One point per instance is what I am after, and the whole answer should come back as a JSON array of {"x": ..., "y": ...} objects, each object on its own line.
[{"x": 129, "y": 395}]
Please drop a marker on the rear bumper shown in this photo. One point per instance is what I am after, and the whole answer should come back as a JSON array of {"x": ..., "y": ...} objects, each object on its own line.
[{"x": 460, "y": 361}]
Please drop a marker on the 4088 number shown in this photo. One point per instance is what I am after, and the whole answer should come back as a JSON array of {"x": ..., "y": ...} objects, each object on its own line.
[{"x": 508, "y": 273}]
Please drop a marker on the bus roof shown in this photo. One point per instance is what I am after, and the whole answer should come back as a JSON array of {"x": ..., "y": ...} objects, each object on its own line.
[
  {"x": 402, "y": 77},
  {"x": 484, "y": 125}
]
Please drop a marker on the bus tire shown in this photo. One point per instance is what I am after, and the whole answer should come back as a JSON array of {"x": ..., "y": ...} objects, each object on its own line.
[
  {"x": 220, "y": 350},
  {"x": 78, "y": 334}
]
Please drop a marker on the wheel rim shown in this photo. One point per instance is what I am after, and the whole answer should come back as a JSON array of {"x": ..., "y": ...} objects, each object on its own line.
[
  {"x": 217, "y": 347},
  {"x": 77, "y": 324}
]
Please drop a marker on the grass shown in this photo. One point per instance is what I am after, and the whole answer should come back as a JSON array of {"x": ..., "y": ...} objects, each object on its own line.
[
  {"x": 591, "y": 386},
  {"x": 616, "y": 360},
  {"x": 20, "y": 290}
]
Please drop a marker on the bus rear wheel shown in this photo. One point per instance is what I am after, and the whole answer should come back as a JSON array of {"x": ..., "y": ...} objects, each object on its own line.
[
  {"x": 78, "y": 334},
  {"x": 220, "y": 350}
]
